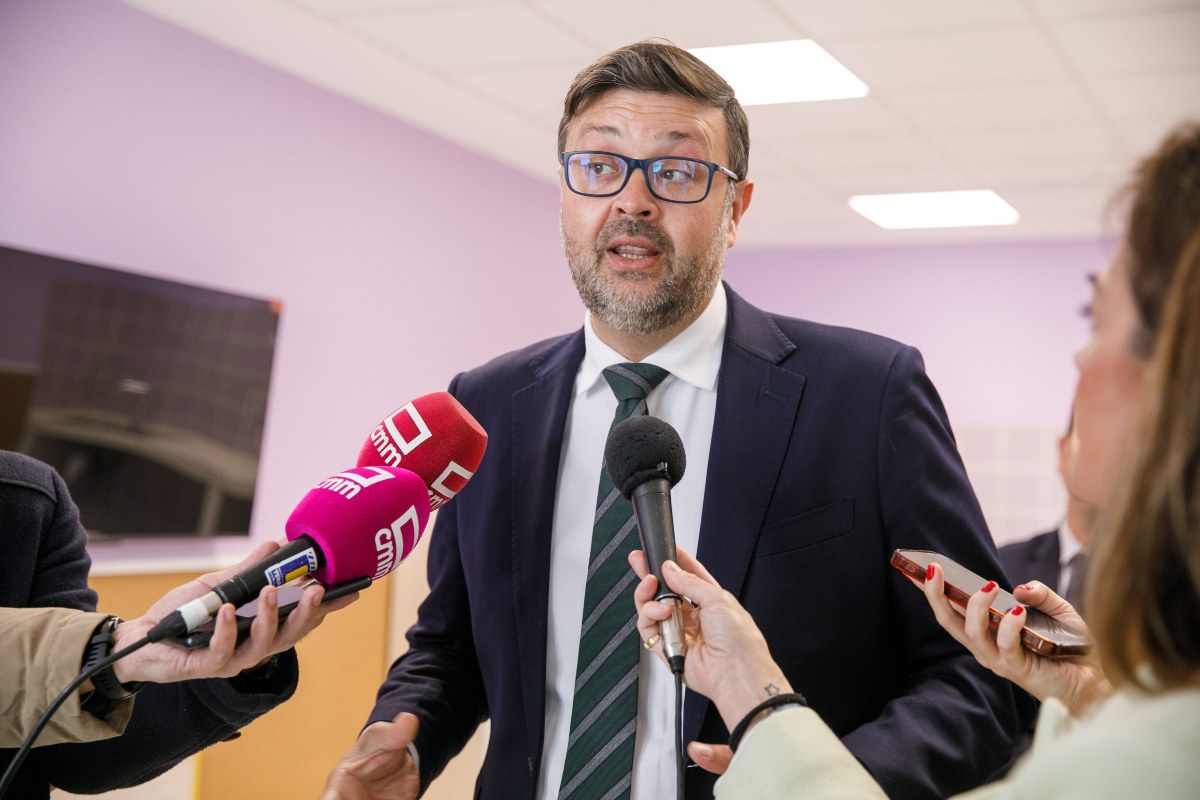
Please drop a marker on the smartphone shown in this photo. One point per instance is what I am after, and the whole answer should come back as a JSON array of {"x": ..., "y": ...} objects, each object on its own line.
[
  {"x": 289, "y": 597},
  {"x": 1043, "y": 634}
]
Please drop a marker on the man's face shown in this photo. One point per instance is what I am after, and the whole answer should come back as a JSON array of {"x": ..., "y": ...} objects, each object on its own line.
[{"x": 642, "y": 264}]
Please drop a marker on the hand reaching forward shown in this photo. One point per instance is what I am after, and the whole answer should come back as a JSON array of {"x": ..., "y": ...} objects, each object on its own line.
[{"x": 378, "y": 766}]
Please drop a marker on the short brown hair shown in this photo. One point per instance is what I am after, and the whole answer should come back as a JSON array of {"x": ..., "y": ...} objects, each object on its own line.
[
  {"x": 659, "y": 66},
  {"x": 1143, "y": 593}
]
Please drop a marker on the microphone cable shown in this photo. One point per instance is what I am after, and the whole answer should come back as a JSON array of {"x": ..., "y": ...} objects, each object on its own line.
[
  {"x": 679, "y": 750},
  {"x": 11, "y": 773}
]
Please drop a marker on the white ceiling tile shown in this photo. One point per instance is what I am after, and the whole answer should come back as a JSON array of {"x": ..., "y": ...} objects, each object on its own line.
[
  {"x": 987, "y": 106},
  {"x": 335, "y": 8},
  {"x": 1083, "y": 202},
  {"x": 533, "y": 91},
  {"x": 858, "y": 17},
  {"x": 1067, "y": 9},
  {"x": 1165, "y": 96},
  {"x": 1117, "y": 45},
  {"x": 1104, "y": 172},
  {"x": 898, "y": 178},
  {"x": 863, "y": 154},
  {"x": 464, "y": 38},
  {"x": 1032, "y": 145},
  {"x": 1143, "y": 138},
  {"x": 792, "y": 122},
  {"x": 621, "y": 22},
  {"x": 996, "y": 54}
]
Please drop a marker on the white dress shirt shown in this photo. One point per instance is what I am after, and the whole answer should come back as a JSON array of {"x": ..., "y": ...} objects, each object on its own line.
[{"x": 687, "y": 400}]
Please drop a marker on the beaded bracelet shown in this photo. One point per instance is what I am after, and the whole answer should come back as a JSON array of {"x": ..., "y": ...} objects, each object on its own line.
[{"x": 774, "y": 701}]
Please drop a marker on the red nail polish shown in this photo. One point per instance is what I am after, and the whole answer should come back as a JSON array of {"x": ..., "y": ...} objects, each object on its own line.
[
  {"x": 1018, "y": 611},
  {"x": 929, "y": 572},
  {"x": 989, "y": 586}
]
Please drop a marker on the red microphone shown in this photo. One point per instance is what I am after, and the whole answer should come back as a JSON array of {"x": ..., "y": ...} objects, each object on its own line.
[
  {"x": 435, "y": 437},
  {"x": 358, "y": 523}
]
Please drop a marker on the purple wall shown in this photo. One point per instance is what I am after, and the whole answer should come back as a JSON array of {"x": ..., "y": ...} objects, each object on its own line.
[
  {"x": 131, "y": 143},
  {"x": 998, "y": 324}
]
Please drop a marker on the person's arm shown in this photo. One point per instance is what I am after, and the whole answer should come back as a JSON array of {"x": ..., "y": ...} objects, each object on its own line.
[
  {"x": 43, "y": 650},
  {"x": 950, "y": 723},
  {"x": 200, "y": 696}
]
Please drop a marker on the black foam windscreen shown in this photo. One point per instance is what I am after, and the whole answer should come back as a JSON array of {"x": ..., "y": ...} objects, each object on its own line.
[{"x": 635, "y": 448}]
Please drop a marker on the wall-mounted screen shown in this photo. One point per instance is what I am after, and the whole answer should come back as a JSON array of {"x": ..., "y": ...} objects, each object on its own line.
[{"x": 147, "y": 395}]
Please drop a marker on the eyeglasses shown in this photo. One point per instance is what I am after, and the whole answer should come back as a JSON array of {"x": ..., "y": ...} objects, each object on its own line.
[{"x": 675, "y": 180}]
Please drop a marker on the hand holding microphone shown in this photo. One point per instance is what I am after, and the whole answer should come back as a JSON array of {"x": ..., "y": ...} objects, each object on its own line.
[
  {"x": 225, "y": 656},
  {"x": 362, "y": 522},
  {"x": 644, "y": 457}
]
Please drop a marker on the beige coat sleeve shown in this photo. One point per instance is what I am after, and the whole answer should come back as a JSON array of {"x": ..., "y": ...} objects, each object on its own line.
[
  {"x": 792, "y": 753},
  {"x": 42, "y": 652}
]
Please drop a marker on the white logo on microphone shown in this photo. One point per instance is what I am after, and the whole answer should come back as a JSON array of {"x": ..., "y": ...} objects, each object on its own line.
[
  {"x": 348, "y": 484},
  {"x": 448, "y": 484},
  {"x": 390, "y": 442},
  {"x": 385, "y": 541}
]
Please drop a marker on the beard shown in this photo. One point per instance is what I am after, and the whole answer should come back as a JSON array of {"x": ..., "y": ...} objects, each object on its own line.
[{"x": 617, "y": 299}]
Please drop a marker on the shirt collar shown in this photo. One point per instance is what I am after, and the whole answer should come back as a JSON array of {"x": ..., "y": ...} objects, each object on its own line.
[
  {"x": 694, "y": 356},
  {"x": 1068, "y": 545}
]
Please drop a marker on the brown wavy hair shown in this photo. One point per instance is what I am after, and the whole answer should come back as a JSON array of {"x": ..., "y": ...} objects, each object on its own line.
[
  {"x": 659, "y": 66},
  {"x": 1143, "y": 592}
]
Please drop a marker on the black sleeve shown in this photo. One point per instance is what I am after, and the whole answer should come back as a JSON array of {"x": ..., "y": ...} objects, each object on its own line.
[
  {"x": 955, "y": 721},
  {"x": 170, "y": 722}
]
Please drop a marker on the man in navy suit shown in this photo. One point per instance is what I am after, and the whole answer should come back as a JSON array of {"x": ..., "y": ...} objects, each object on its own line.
[{"x": 814, "y": 452}]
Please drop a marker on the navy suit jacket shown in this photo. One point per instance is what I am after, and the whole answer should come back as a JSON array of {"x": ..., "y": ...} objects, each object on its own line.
[
  {"x": 830, "y": 448},
  {"x": 1035, "y": 558}
]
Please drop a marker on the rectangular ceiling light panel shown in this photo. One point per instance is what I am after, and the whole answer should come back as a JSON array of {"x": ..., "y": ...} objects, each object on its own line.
[
  {"x": 781, "y": 72},
  {"x": 935, "y": 209}
]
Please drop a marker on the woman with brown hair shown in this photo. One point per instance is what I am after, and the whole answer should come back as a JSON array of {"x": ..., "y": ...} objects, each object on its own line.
[{"x": 1124, "y": 722}]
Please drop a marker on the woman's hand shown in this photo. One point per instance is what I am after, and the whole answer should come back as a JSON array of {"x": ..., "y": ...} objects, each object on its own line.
[
  {"x": 1077, "y": 682},
  {"x": 727, "y": 656}
]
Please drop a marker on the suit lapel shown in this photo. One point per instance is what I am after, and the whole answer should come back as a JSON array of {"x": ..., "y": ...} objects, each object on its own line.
[
  {"x": 757, "y": 405},
  {"x": 539, "y": 412}
]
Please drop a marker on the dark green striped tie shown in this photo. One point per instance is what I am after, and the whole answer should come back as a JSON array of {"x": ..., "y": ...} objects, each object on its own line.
[{"x": 599, "y": 762}]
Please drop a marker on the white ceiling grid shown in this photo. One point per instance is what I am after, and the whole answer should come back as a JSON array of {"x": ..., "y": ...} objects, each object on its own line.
[{"x": 1048, "y": 102}]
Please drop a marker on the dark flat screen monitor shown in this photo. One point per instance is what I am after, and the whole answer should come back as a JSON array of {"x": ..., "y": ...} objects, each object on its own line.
[{"x": 147, "y": 395}]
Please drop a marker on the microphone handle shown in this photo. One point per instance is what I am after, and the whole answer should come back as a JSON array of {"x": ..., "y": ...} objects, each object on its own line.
[
  {"x": 652, "y": 509},
  {"x": 298, "y": 557},
  {"x": 295, "y": 559}
]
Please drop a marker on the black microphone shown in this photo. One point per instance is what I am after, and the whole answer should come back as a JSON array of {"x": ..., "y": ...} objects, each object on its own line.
[{"x": 644, "y": 457}]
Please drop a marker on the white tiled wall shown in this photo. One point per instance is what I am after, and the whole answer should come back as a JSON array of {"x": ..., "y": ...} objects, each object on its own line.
[{"x": 1014, "y": 472}]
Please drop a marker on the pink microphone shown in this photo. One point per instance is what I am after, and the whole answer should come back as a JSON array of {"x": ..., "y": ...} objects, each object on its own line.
[
  {"x": 435, "y": 437},
  {"x": 362, "y": 522},
  {"x": 358, "y": 523}
]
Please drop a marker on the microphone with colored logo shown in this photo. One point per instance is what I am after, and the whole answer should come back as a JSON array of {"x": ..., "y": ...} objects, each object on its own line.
[
  {"x": 644, "y": 457},
  {"x": 358, "y": 523},
  {"x": 433, "y": 436}
]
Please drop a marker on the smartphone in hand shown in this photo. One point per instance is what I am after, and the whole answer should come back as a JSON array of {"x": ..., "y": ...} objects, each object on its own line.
[
  {"x": 288, "y": 596},
  {"x": 1043, "y": 634}
]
